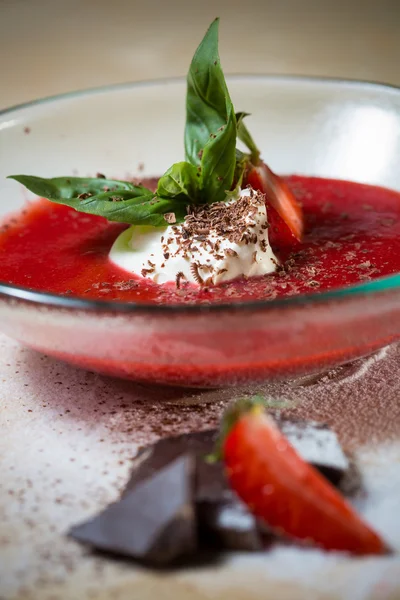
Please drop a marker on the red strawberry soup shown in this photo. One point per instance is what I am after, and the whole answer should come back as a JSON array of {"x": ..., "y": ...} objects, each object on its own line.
[{"x": 352, "y": 235}]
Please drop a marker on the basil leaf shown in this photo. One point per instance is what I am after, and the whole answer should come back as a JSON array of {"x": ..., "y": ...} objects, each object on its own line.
[
  {"x": 245, "y": 137},
  {"x": 210, "y": 133},
  {"x": 206, "y": 106},
  {"x": 123, "y": 202},
  {"x": 218, "y": 162},
  {"x": 181, "y": 182},
  {"x": 71, "y": 187}
]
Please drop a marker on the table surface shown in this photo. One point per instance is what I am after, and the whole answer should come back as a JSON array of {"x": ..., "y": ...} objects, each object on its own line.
[
  {"x": 83, "y": 428},
  {"x": 68, "y": 438},
  {"x": 53, "y": 46}
]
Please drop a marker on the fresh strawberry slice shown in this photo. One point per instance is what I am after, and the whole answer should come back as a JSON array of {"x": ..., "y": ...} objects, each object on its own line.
[
  {"x": 278, "y": 194},
  {"x": 279, "y": 234},
  {"x": 284, "y": 491}
]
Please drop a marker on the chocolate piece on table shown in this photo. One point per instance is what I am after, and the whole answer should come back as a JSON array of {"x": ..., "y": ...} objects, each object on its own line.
[
  {"x": 211, "y": 484},
  {"x": 152, "y": 458},
  {"x": 155, "y": 522},
  {"x": 224, "y": 521},
  {"x": 229, "y": 525},
  {"x": 318, "y": 445},
  {"x": 174, "y": 493}
]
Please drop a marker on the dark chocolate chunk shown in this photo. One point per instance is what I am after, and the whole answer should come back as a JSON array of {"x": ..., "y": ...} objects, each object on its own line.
[
  {"x": 351, "y": 483},
  {"x": 223, "y": 520},
  {"x": 154, "y": 522},
  {"x": 229, "y": 525},
  {"x": 318, "y": 445},
  {"x": 211, "y": 484},
  {"x": 153, "y": 458}
]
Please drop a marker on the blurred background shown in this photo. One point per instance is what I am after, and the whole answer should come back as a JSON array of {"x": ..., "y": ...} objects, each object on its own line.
[{"x": 53, "y": 46}]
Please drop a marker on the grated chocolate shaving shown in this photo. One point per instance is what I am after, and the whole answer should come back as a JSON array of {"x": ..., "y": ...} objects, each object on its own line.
[
  {"x": 194, "y": 267},
  {"x": 178, "y": 278},
  {"x": 170, "y": 217}
]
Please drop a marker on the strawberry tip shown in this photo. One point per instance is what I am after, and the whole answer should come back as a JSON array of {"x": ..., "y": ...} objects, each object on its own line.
[{"x": 236, "y": 410}]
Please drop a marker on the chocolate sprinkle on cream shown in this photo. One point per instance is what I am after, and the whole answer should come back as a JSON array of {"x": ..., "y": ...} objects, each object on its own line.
[
  {"x": 179, "y": 277},
  {"x": 216, "y": 243},
  {"x": 227, "y": 219},
  {"x": 206, "y": 227}
]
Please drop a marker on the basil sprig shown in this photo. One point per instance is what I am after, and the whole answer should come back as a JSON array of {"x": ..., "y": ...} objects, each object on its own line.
[{"x": 212, "y": 168}]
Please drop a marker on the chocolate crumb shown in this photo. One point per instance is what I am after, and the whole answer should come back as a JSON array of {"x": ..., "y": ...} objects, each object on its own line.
[
  {"x": 194, "y": 268},
  {"x": 170, "y": 217},
  {"x": 231, "y": 252},
  {"x": 365, "y": 265},
  {"x": 145, "y": 272},
  {"x": 180, "y": 275}
]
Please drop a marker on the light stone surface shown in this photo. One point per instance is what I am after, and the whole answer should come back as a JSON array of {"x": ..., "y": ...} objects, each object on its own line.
[
  {"x": 66, "y": 444},
  {"x": 67, "y": 436}
]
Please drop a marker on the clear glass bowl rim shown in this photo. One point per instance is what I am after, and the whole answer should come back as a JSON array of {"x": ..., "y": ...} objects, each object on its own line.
[{"x": 371, "y": 288}]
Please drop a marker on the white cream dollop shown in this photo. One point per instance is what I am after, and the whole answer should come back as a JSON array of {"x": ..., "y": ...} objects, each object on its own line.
[{"x": 236, "y": 246}]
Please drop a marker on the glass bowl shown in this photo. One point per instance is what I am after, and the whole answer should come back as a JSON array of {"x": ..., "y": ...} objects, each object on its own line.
[{"x": 343, "y": 129}]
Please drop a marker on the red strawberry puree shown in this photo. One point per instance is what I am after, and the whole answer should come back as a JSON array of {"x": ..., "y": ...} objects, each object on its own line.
[{"x": 352, "y": 235}]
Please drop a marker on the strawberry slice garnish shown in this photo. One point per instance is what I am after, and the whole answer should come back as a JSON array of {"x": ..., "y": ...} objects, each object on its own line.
[
  {"x": 261, "y": 178},
  {"x": 279, "y": 196},
  {"x": 283, "y": 490}
]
